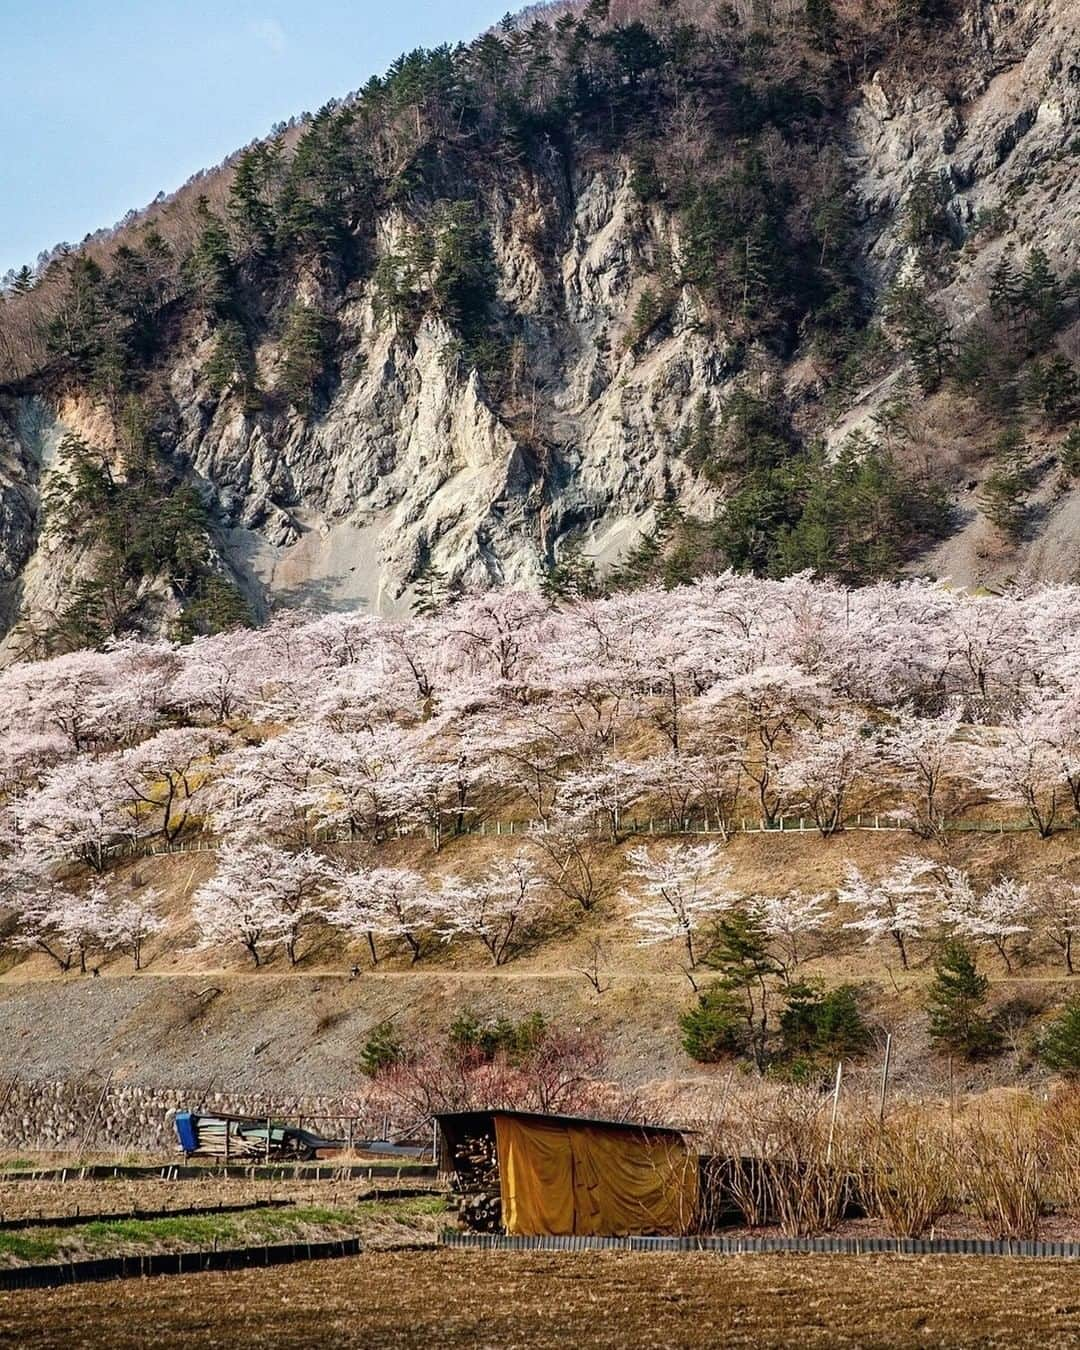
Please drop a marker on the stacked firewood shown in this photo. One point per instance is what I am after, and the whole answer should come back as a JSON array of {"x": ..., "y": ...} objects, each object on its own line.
[{"x": 476, "y": 1167}]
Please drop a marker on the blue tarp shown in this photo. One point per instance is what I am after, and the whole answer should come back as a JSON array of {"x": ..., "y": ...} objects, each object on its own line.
[{"x": 186, "y": 1131}]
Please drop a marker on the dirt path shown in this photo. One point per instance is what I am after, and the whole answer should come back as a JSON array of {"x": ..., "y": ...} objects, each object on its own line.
[
  {"x": 484, "y": 973},
  {"x": 510, "y": 973}
]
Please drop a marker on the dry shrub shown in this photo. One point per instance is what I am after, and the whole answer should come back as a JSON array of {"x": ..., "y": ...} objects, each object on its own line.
[
  {"x": 1061, "y": 1139},
  {"x": 906, "y": 1172},
  {"x": 774, "y": 1159},
  {"x": 808, "y": 1174},
  {"x": 733, "y": 1136},
  {"x": 1002, "y": 1164}
]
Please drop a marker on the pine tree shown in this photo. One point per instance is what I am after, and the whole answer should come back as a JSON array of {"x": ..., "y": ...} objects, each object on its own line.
[
  {"x": 382, "y": 1050},
  {"x": 956, "y": 1003},
  {"x": 252, "y": 197},
  {"x": 926, "y": 219},
  {"x": 432, "y": 592},
  {"x": 572, "y": 577},
  {"x": 305, "y": 349},
  {"x": 715, "y": 1027},
  {"x": 924, "y": 332},
  {"x": 1053, "y": 388},
  {"x": 1041, "y": 300},
  {"x": 1060, "y": 1044},
  {"x": 1069, "y": 453},
  {"x": 1003, "y": 497},
  {"x": 821, "y": 16},
  {"x": 210, "y": 267},
  {"x": 232, "y": 364},
  {"x": 741, "y": 955},
  {"x": 1005, "y": 291}
]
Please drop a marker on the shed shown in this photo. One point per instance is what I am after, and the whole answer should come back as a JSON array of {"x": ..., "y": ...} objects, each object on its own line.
[{"x": 524, "y": 1172}]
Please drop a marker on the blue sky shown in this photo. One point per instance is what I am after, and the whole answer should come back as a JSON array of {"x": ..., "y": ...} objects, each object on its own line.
[{"x": 104, "y": 103}]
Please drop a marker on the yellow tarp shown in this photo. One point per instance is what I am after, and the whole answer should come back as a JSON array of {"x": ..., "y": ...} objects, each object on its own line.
[{"x": 561, "y": 1178}]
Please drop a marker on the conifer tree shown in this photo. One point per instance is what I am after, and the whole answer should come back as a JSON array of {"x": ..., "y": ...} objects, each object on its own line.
[
  {"x": 1060, "y": 1044},
  {"x": 956, "y": 1005},
  {"x": 747, "y": 971}
]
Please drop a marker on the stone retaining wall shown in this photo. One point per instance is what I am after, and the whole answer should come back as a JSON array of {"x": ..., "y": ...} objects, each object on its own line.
[{"x": 104, "y": 1117}]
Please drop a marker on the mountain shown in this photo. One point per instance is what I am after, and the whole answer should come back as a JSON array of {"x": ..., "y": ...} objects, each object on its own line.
[{"x": 616, "y": 292}]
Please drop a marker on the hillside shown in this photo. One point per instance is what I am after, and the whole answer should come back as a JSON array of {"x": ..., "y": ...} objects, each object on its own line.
[
  {"x": 735, "y": 827},
  {"x": 614, "y": 294}
]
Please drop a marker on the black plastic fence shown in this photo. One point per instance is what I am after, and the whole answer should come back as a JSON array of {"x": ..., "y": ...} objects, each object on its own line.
[
  {"x": 174, "y": 1263},
  {"x": 745, "y": 1246}
]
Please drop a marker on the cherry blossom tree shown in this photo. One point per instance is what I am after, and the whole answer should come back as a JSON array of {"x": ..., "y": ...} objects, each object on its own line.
[
  {"x": 675, "y": 784},
  {"x": 901, "y": 905},
  {"x": 786, "y": 919},
  {"x": 760, "y": 709},
  {"x": 921, "y": 753},
  {"x": 59, "y": 695},
  {"x": 990, "y": 653},
  {"x": 260, "y": 896},
  {"x": 496, "y": 636},
  {"x": 81, "y": 810},
  {"x": 63, "y": 924},
  {"x": 573, "y": 853},
  {"x": 1056, "y": 903},
  {"x": 681, "y": 888},
  {"x": 824, "y": 766},
  {"x": 370, "y": 782},
  {"x": 714, "y": 774},
  {"x": 530, "y": 759},
  {"x": 130, "y": 920},
  {"x": 136, "y": 698},
  {"x": 385, "y": 902},
  {"x": 497, "y": 907},
  {"x": 25, "y": 756},
  {"x": 163, "y": 775},
  {"x": 1059, "y": 725},
  {"x": 1019, "y": 764},
  {"x": 606, "y": 792},
  {"x": 220, "y": 676},
  {"x": 42, "y": 924},
  {"x": 993, "y": 915}
]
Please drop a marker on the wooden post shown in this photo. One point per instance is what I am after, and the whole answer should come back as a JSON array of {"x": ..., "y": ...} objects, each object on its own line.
[
  {"x": 97, "y": 1108},
  {"x": 268, "y": 1141},
  {"x": 952, "y": 1099},
  {"x": 835, "y": 1108},
  {"x": 885, "y": 1077}
]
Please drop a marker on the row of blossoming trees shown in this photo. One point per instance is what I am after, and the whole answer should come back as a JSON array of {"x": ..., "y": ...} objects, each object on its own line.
[{"x": 726, "y": 699}]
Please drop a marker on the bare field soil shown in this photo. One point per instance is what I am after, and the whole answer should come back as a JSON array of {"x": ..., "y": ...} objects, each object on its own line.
[
  {"x": 30, "y": 1199},
  {"x": 604, "y": 1301}
]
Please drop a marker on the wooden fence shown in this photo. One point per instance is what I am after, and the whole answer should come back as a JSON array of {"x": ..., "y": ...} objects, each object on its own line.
[{"x": 648, "y": 825}]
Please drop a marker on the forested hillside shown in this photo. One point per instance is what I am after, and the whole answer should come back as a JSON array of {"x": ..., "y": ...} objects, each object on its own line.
[
  {"x": 615, "y": 294},
  {"x": 569, "y": 795}
]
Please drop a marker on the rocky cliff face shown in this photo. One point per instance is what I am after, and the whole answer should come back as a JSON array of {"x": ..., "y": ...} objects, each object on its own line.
[{"x": 410, "y": 464}]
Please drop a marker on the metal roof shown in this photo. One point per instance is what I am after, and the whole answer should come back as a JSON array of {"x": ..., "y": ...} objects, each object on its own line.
[{"x": 637, "y": 1125}]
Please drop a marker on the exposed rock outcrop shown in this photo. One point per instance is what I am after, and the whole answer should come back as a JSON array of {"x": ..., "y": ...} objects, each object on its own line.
[{"x": 411, "y": 464}]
